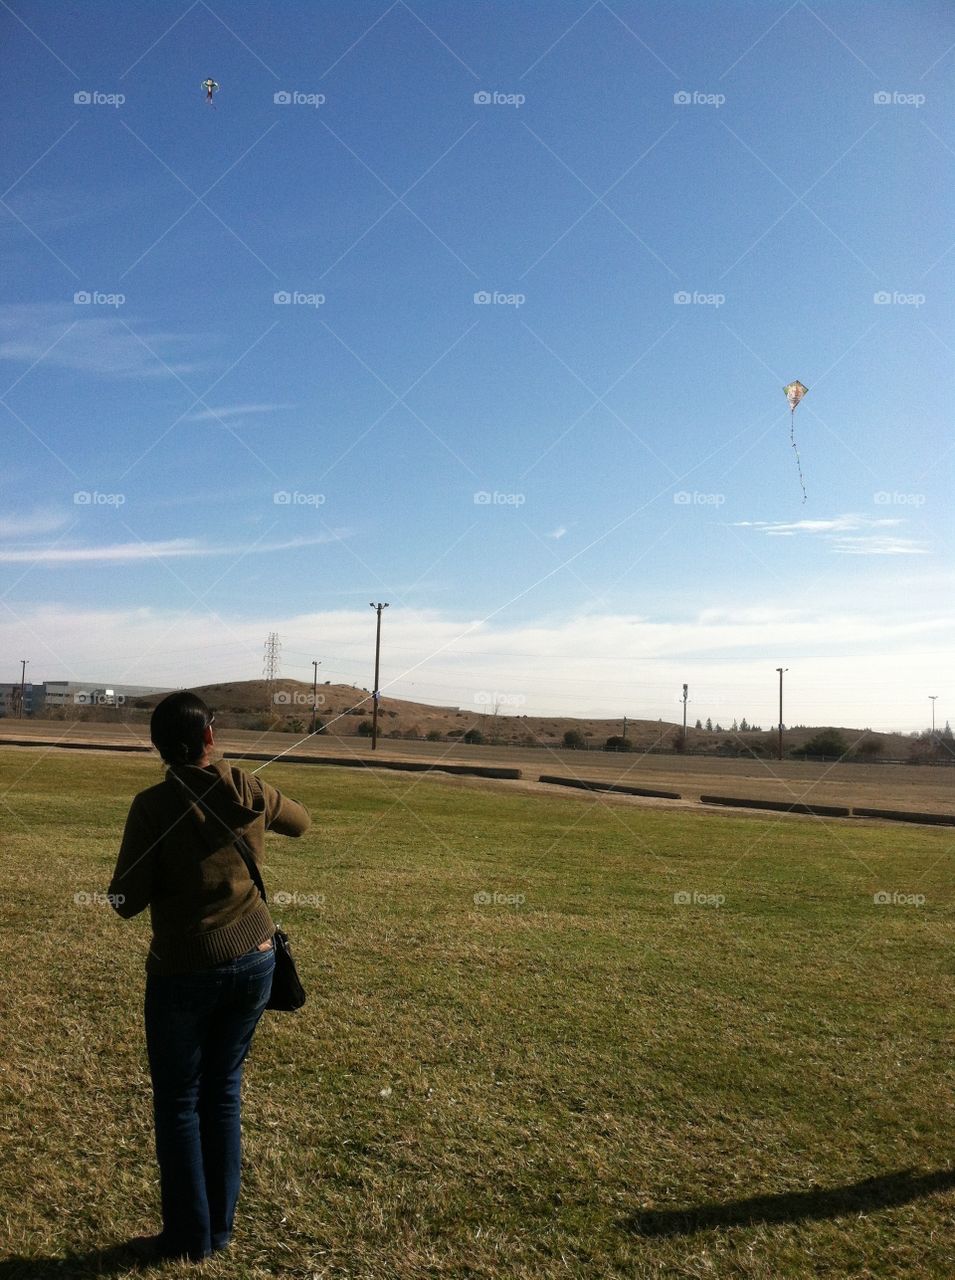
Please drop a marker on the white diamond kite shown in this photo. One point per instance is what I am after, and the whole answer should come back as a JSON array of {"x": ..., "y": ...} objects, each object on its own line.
[{"x": 794, "y": 393}]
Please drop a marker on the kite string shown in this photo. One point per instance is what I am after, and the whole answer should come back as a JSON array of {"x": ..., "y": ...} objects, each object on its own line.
[
  {"x": 323, "y": 729},
  {"x": 792, "y": 439}
]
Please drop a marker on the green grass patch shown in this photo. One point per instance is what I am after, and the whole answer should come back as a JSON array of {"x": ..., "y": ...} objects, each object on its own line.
[{"x": 524, "y": 1053}]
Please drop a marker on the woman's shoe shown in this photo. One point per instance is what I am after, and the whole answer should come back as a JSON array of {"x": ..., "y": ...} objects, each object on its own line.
[{"x": 156, "y": 1249}]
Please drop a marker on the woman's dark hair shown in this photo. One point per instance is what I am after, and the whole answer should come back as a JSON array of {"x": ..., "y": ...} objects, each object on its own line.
[{"x": 177, "y": 727}]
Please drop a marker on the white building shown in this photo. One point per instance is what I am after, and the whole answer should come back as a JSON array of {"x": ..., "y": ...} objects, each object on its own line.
[{"x": 71, "y": 693}]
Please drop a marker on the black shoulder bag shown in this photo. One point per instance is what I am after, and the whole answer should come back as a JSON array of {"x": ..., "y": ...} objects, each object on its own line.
[{"x": 288, "y": 993}]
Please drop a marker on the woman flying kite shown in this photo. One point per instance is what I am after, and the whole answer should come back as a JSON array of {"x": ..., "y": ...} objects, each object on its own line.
[{"x": 210, "y": 87}]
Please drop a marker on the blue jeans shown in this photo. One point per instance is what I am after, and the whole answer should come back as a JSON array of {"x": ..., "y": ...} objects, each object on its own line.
[{"x": 199, "y": 1027}]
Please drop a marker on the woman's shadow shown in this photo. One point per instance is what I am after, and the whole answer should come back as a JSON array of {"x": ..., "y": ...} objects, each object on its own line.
[
  {"x": 117, "y": 1259},
  {"x": 886, "y": 1191}
]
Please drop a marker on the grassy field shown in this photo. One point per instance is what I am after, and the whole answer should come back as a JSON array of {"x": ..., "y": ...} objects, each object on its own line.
[{"x": 525, "y": 1054}]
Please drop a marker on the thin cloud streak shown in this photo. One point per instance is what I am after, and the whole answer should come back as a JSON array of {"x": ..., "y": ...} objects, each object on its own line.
[
  {"x": 879, "y": 547},
  {"x": 64, "y": 336},
  {"x": 234, "y": 411},
  {"x": 29, "y": 525},
  {"x": 846, "y": 534},
  {"x": 173, "y": 548}
]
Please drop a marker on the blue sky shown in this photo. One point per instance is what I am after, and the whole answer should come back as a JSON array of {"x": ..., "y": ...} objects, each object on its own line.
[{"x": 576, "y": 494}]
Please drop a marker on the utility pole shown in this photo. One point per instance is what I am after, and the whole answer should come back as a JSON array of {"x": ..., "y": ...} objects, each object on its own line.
[
  {"x": 685, "y": 691},
  {"x": 314, "y": 692},
  {"x": 781, "y": 670},
  {"x": 931, "y": 698},
  {"x": 376, "y": 695},
  {"x": 625, "y": 728},
  {"x": 23, "y": 680}
]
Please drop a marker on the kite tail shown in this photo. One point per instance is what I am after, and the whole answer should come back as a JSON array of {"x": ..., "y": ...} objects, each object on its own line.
[{"x": 792, "y": 439}]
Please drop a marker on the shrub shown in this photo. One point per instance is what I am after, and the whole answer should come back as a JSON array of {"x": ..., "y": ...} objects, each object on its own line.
[{"x": 827, "y": 742}]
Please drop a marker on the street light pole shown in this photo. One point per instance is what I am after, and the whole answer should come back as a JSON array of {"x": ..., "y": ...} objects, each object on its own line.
[
  {"x": 23, "y": 679},
  {"x": 781, "y": 670},
  {"x": 685, "y": 691},
  {"x": 314, "y": 692},
  {"x": 376, "y": 695},
  {"x": 931, "y": 698}
]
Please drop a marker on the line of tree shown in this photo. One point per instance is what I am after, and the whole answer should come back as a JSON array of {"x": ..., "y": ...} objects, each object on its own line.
[{"x": 738, "y": 726}]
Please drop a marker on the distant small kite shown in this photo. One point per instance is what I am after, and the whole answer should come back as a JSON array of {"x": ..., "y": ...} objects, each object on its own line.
[
  {"x": 794, "y": 393},
  {"x": 210, "y": 87}
]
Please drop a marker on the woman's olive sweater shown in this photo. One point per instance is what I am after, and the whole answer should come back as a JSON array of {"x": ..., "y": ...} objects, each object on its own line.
[{"x": 182, "y": 864}]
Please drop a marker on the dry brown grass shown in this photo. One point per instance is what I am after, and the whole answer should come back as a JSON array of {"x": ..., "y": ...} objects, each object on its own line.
[{"x": 595, "y": 1082}]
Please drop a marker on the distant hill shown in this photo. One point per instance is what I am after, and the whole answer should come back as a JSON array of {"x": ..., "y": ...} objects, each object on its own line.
[{"x": 246, "y": 704}]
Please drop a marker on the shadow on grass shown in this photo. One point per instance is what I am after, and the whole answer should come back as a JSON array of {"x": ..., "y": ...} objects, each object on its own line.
[
  {"x": 883, "y": 1192},
  {"x": 117, "y": 1259}
]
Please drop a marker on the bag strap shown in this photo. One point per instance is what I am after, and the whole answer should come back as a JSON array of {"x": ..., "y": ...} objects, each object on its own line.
[{"x": 240, "y": 843}]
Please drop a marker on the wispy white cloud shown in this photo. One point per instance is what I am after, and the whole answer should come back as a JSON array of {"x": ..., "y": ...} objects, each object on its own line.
[
  {"x": 225, "y": 411},
  {"x": 850, "y": 534},
  {"x": 171, "y": 548},
  {"x": 558, "y": 532},
  {"x": 65, "y": 336},
  {"x": 879, "y": 546},
  {"x": 29, "y": 524},
  {"x": 63, "y": 206},
  {"x": 835, "y": 524}
]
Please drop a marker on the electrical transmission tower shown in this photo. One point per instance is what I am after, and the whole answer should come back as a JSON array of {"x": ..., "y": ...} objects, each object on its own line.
[{"x": 271, "y": 664}]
